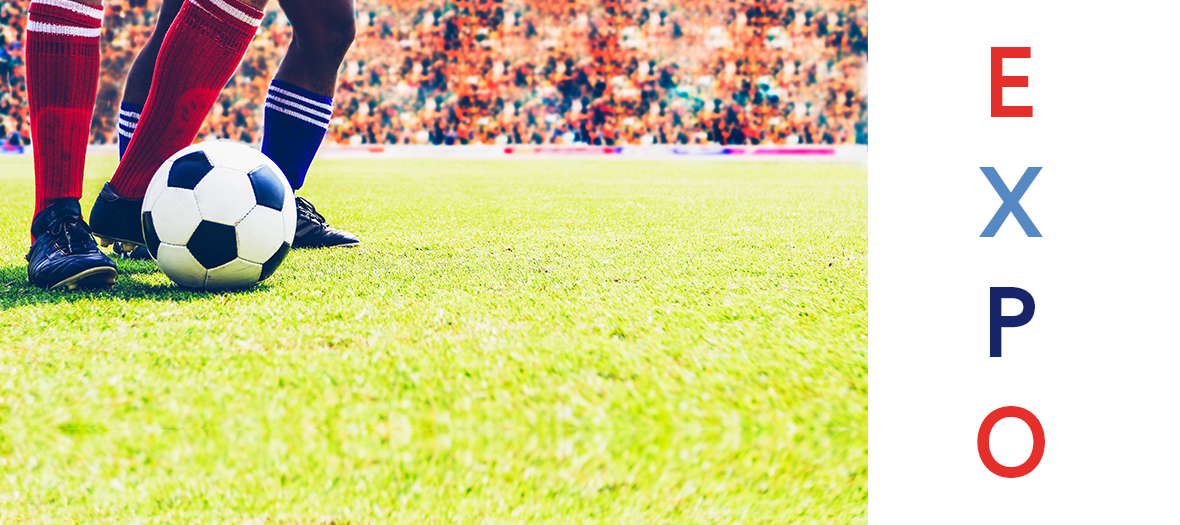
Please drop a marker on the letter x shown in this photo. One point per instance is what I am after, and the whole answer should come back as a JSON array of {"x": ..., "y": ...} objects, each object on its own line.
[{"x": 1011, "y": 202}]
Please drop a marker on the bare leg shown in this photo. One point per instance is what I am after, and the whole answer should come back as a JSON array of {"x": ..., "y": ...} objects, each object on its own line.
[
  {"x": 324, "y": 30},
  {"x": 139, "y": 79}
]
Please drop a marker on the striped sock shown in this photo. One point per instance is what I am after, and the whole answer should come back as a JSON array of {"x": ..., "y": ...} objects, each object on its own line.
[
  {"x": 199, "y": 54},
  {"x": 62, "y": 62},
  {"x": 294, "y": 124},
  {"x": 128, "y": 119}
]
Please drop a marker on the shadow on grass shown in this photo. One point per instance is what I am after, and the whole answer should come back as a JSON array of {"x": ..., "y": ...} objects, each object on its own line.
[
  {"x": 16, "y": 291},
  {"x": 131, "y": 266}
]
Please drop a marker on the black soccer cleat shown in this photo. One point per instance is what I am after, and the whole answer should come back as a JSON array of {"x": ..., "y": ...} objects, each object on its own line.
[
  {"x": 312, "y": 230},
  {"x": 115, "y": 219},
  {"x": 63, "y": 254}
]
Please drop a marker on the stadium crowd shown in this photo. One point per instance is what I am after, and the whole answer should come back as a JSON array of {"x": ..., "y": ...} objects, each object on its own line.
[{"x": 602, "y": 72}]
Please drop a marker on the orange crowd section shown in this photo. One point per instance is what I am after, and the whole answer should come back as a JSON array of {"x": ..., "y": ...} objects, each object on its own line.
[{"x": 603, "y": 72}]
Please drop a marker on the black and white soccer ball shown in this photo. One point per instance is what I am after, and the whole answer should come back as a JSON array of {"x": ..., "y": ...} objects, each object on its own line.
[{"x": 218, "y": 215}]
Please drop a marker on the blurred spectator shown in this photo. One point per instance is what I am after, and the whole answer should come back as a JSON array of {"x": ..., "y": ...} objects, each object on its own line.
[{"x": 602, "y": 72}]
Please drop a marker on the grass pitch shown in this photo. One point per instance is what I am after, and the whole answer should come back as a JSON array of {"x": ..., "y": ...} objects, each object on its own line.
[{"x": 516, "y": 341}]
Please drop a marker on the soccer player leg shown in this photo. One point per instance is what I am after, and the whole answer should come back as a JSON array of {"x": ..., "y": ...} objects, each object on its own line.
[
  {"x": 139, "y": 80},
  {"x": 299, "y": 104},
  {"x": 199, "y": 54},
  {"x": 62, "y": 65}
]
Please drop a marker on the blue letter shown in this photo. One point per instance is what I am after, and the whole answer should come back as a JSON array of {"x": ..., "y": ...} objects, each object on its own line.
[
  {"x": 1011, "y": 202},
  {"x": 1000, "y": 321}
]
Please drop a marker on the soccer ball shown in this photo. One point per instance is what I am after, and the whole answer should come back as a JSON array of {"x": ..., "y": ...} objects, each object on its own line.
[{"x": 218, "y": 215}]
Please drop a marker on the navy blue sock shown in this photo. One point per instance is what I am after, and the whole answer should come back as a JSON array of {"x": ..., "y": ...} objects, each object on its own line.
[
  {"x": 293, "y": 128},
  {"x": 128, "y": 119}
]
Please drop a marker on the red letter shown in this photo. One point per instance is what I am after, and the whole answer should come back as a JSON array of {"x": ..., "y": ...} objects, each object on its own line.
[
  {"x": 983, "y": 442},
  {"x": 999, "y": 81}
]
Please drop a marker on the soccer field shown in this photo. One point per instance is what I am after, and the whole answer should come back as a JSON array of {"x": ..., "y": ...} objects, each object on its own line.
[{"x": 515, "y": 341}]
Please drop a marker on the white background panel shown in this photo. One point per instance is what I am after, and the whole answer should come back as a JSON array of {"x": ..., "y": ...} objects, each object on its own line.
[{"x": 1097, "y": 364}]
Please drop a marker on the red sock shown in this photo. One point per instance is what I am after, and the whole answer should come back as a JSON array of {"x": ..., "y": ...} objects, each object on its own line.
[
  {"x": 62, "y": 68},
  {"x": 198, "y": 56}
]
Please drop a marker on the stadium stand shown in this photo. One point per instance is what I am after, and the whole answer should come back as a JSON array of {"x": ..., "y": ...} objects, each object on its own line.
[{"x": 603, "y": 72}]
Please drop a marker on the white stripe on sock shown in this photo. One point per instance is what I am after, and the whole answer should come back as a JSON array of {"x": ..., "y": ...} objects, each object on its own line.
[
  {"x": 297, "y": 115},
  {"x": 124, "y": 133},
  {"x": 275, "y": 89},
  {"x": 129, "y": 114},
  {"x": 92, "y": 12},
  {"x": 55, "y": 29},
  {"x": 237, "y": 13},
  {"x": 317, "y": 112}
]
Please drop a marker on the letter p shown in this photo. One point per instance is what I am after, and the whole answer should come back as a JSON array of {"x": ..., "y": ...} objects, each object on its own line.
[{"x": 1000, "y": 321}]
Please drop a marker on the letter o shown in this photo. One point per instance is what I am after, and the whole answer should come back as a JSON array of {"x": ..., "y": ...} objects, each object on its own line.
[{"x": 984, "y": 442}]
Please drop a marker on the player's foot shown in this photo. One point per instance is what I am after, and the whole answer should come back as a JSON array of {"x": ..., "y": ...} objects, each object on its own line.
[
  {"x": 132, "y": 252},
  {"x": 312, "y": 230},
  {"x": 63, "y": 254},
  {"x": 115, "y": 219}
]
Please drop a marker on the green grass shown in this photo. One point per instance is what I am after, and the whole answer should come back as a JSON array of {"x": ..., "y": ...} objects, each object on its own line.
[{"x": 549, "y": 341}]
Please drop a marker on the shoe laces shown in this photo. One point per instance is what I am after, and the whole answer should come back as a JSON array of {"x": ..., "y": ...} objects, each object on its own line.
[
  {"x": 71, "y": 233},
  {"x": 307, "y": 210}
]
